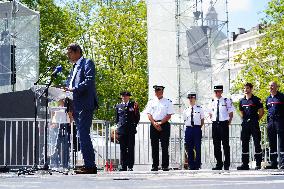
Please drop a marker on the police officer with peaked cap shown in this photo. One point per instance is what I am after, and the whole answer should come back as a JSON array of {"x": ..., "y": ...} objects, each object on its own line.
[
  {"x": 194, "y": 120},
  {"x": 251, "y": 109},
  {"x": 127, "y": 117},
  {"x": 275, "y": 125},
  {"x": 221, "y": 115},
  {"x": 159, "y": 110}
]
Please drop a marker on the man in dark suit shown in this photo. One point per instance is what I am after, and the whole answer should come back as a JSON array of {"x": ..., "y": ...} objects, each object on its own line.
[
  {"x": 127, "y": 118},
  {"x": 81, "y": 81}
]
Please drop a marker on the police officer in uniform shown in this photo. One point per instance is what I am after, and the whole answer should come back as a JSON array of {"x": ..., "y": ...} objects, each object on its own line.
[
  {"x": 194, "y": 120},
  {"x": 221, "y": 115},
  {"x": 251, "y": 109},
  {"x": 275, "y": 126},
  {"x": 127, "y": 118},
  {"x": 159, "y": 112}
]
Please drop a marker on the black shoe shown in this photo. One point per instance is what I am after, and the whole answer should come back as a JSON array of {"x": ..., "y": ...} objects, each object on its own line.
[
  {"x": 165, "y": 169},
  {"x": 4, "y": 169},
  {"x": 86, "y": 170},
  {"x": 281, "y": 167},
  {"x": 154, "y": 169},
  {"x": 258, "y": 167},
  {"x": 227, "y": 168},
  {"x": 243, "y": 167},
  {"x": 271, "y": 167},
  {"x": 130, "y": 169},
  {"x": 123, "y": 169},
  {"x": 217, "y": 168}
]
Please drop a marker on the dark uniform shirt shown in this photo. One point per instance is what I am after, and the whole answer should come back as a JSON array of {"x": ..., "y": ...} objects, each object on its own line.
[
  {"x": 250, "y": 107},
  {"x": 127, "y": 117},
  {"x": 275, "y": 106}
]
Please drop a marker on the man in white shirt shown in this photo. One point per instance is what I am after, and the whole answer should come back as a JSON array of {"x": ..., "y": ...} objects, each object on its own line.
[
  {"x": 221, "y": 115},
  {"x": 193, "y": 117},
  {"x": 159, "y": 112}
]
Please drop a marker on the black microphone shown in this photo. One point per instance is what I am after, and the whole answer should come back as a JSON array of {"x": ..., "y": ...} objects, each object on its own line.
[{"x": 57, "y": 70}]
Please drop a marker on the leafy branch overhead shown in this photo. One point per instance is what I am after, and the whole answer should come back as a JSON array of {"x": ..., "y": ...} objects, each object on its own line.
[
  {"x": 265, "y": 63},
  {"x": 113, "y": 33}
]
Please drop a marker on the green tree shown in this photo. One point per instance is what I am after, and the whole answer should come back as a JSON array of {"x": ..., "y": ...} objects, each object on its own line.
[
  {"x": 265, "y": 63},
  {"x": 112, "y": 33},
  {"x": 57, "y": 28},
  {"x": 120, "y": 36}
]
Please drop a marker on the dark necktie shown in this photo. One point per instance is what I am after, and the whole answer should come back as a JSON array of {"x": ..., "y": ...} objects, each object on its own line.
[
  {"x": 217, "y": 117},
  {"x": 72, "y": 72},
  {"x": 191, "y": 117}
]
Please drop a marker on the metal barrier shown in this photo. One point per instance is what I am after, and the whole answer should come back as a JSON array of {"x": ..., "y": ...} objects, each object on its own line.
[
  {"x": 18, "y": 144},
  {"x": 18, "y": 138}
]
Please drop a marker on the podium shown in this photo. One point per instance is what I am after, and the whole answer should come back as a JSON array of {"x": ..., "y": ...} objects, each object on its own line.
[
  {"x": 56, "y": 151},
  {"x": 59, "y": 131}
]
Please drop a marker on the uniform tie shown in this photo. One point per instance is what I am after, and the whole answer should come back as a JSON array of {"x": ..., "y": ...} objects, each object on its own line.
[
  {"x": 191, "y": 117},
  {"x": 217, "y": 117}
]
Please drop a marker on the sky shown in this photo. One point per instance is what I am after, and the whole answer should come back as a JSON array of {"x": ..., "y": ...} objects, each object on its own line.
[
  {"x": 245, "y": 13},
  {"x": 242, "y": 13}
]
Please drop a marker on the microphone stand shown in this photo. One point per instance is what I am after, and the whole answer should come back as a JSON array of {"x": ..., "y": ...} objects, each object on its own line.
[
  {"x": 35, "y": 167},
  {"x": 46, "y": 167}
]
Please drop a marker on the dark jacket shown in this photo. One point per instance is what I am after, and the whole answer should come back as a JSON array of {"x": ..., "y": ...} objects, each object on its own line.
[
  {"x": 84, "y": 94},
  {"x": 275, "y": 107},
  {"x": 127, "y": 118}
]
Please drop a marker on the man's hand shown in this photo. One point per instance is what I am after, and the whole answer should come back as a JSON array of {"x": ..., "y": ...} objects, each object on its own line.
[
  {"x": 136, "y": 106},
  {"x": 67, "y": 89},
  {"x": 157, "y": 125}
]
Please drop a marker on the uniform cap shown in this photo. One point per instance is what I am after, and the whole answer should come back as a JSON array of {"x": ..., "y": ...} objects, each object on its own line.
[
  {"x": 125, "y": 93},
  {"x": 158, "y": 87},
  {"x": 191, "y": 95},
  {"x": 218, "y": 88}
]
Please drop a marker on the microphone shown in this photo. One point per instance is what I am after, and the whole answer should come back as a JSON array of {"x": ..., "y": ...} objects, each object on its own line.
[{"x": 57, "y": 70}]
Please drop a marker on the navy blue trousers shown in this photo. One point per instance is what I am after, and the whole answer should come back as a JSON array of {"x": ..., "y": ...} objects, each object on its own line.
[
  {"x": 193, "y": 137},
  {"x": 251, "y": 128},
  {"x": 275, "y": 127},
  {"x": 220, "y": 134},
  {"x": 164, "y": 137},
  {"x": 83, "y": 120},
  {"x": 127, "y": 144}
]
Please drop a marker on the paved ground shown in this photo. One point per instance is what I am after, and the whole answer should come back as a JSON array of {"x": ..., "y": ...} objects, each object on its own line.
[{"x": 144, "y": 180}]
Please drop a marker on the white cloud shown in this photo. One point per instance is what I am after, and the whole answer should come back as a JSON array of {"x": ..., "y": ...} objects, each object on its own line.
[
  {"x": 240, "y": 5},
  {"x": 234, "y": 6}
]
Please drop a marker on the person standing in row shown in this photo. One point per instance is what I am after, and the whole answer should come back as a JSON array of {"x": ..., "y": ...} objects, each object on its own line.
[
  {"x": 221, "y": 115},
  {"x": 251, "y": 109},
  {"x": 127, "y": 118},
  {"x": 194, "y": 120},
  {"x": 275, "y": 125},
  {"x": 159, "y": 112}
]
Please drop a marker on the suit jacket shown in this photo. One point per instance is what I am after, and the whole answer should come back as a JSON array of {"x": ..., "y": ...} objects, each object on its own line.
[
  {"x": 127, "y": 117},
  {"x": 84, "y": 93}
]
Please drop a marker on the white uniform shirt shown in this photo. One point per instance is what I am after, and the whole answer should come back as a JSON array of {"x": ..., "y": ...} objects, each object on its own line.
[
  {"x": 198, "y": 114},
  {"x": 159, "y": 108},
  {"x": 225, "y": 107},
  {"x": 74, "y": 72}
]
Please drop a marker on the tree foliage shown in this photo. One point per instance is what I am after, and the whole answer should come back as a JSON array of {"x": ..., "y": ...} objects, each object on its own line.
[
  {"x": 265, "y": 63},
  {"x": 112, "y": 33}
]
